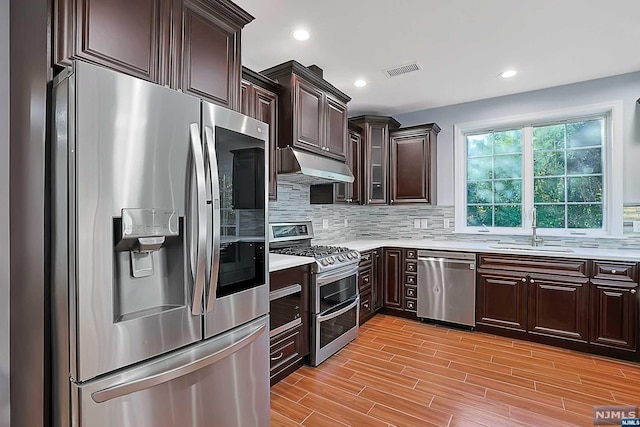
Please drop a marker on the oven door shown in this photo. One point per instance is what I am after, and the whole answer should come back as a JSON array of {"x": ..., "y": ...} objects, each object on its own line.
[{"x": 334, "y": 288}]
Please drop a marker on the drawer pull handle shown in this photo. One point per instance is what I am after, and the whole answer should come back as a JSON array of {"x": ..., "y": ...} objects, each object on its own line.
[
  {"x": 366, "y": 305},
  {"x": 532, "y": 281},
  {"x": 366, "y": 279},
  {"x": 633, "y": 291},
  {"x": 524, "y": 279},
  {"x": 278, "y": 357},
  {"x": 613, "y": 271}
]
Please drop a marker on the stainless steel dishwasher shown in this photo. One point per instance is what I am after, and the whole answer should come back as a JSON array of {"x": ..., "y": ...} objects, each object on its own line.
[{"x": 447, "y": 286}]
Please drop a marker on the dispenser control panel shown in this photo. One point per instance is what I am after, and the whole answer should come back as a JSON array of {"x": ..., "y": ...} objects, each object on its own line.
[{"x": 149, "y": 222}]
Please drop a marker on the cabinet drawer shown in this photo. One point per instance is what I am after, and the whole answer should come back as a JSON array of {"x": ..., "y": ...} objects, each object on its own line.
[
  {"x": 523, "y": 265},
  {"x": 365, "y": 258},
  {"x": 284, "y": 349},
  {"x": 411, "y": 254},
  {"x": 622, "y": 271},
  {"x": 410, "y": 279},
  {"x": 410, "y": 304},
  {"x": 366, "y": 307},
  {"x": 411, "y": 292},
  {"x": 364, "y": 280},
  {"x": 411, "y": 266}
]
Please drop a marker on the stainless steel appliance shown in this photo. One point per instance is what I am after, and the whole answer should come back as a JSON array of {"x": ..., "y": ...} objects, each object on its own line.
[
  {"x": 335, "y": 302},
  {"x": 447, "y": 287},
  {"x": 160, "y": 294}
]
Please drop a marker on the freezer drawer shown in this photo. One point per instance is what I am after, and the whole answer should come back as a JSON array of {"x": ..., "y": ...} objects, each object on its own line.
[{"x": 223, "y": 382}]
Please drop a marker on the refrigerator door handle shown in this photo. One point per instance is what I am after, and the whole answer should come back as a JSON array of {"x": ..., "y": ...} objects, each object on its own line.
[
  {"x": 201, "y": 195},
  {"x": 215, "y": 210},
  {"x": 123, "y": 389}
]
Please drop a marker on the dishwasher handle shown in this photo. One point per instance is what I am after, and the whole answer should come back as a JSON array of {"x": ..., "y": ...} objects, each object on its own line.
[{"x": 446, "y": 262}]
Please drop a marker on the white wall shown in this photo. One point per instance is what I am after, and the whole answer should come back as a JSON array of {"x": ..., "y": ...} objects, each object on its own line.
[
  {"x": 624, "y": 87},
  {"x": 4, "y": 213}
]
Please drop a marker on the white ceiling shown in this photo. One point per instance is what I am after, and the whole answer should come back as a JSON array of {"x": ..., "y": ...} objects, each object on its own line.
[{"x": 462, "y": 45}]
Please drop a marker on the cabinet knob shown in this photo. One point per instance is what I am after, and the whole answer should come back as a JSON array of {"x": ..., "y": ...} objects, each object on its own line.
[
  {"x": 524, "y": 279},
  {"x": 369, "y": 200},
  {"x": 613, "y": 271},
  {"x": 391, "y": 200},
  {"x": 366, "y": 305},
  {"x": 633, "y": 291},
  {"x": 531, "y": 281}
]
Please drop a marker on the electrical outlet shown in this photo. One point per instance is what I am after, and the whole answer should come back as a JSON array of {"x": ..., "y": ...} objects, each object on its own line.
[
  {"x": 325, "y": 223},
  {"x": 636, "y": 226},
  {"x": 445, "y": 223},
  {"x": 346, "y": 222},
  {"x": 416, "y": 223},
  {"x": 424, "y": 223}
]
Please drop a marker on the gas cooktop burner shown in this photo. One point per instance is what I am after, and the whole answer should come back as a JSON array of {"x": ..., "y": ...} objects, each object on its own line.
[{"x": 324, "y": 255}]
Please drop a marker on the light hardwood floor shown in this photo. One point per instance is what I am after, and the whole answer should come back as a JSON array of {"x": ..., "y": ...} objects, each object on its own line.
[{"x": 400, "y": 372}]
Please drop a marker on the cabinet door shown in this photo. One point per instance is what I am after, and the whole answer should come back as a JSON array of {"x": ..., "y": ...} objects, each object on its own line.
[
  {"x": 409, "y": 174},
  {"x": 559, "y": 308},
  {"x": 265, "y": 107},
  {"x": 336, "y": 133},
  {"x": 614, "y": 308},
  {"x": 246, "y": 94},
  {"x": 501, "y": 301},
  {"x": 377, "y": 165},
  {"x": 393, "y": 269},
  {"x": 350, "y": 193},
  {"x": 378, "y": 283},
  {"x": 207, "y": 51},
  {"x": 124, "y": 35},
  {"x": 307, "y": 120}
]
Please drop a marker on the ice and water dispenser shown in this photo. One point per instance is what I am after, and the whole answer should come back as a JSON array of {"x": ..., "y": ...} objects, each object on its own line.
[{"x": 149, "y": 262}]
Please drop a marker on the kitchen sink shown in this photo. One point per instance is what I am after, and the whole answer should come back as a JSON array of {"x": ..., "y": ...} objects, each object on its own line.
[{"x": 524, "y": 248}]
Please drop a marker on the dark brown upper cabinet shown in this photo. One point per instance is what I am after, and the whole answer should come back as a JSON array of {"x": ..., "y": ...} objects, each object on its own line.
[
  {"x": 313, "y": 113},
  {"x": 413, "y": 164},
  {"x": 351, "y": 193},
  {"x": 375, "y": 148},
  {"x": 191, "y": 45},
  {"x": 259, "y": 99}
]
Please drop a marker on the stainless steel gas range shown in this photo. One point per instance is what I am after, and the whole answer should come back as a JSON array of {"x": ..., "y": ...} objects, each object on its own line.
[{"x": 335, "y": 302}]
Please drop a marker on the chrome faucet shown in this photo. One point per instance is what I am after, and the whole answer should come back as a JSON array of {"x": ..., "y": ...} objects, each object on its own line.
[{"x": 535, "y": 240}]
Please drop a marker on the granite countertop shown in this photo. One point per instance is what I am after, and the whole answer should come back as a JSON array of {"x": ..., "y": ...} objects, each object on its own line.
[
  {"x": 513, "y": 248},
  {"x": 280, "y": 262}
]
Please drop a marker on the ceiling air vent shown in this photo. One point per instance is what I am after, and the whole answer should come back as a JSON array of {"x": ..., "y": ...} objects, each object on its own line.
[{"x": 402, "y": 69}]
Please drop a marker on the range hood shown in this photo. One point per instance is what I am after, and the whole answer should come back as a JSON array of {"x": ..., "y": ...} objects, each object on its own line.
[{"x": 307, "y": 168}]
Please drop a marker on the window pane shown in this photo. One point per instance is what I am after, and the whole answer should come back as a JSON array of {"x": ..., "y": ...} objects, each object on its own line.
[
  {"x": 480, "y": 145},
  {"x": 508, "y": 216},
  {"x": 508, "y": 191},
  {"x": 584, "y": 216},
  {"x": 550, "y": 216},
  {"x": 548, "y": 163},
  {"x": 479, "y": 192},
  {"x": 585, "y": 134},
  {"x": 509, "y": 166},
  {"x": 584, "y": 189},
  {"x": 480, "y": 215},
  {"x": 548, "y": 190},
  {"x": 507, "y": 142},
  {"x": 480, "y": 168},
  {"x": 584, "y": 161},
  {"x": 549, "y": 137}
]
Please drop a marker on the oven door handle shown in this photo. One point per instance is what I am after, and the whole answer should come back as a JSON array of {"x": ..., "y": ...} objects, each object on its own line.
[
  {"x": 324, "y": 278},
  {"x": 354, "y": 303}
]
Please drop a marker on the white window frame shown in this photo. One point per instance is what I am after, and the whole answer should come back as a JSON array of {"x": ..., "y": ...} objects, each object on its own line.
[{"x": 613, "y": 172}]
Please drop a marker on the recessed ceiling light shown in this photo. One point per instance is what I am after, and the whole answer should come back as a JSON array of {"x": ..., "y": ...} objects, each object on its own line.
[
  {"x": 301, "y": 34},
  {"x": 508, "y": 73},
  {"x": 360, "y": 83}
]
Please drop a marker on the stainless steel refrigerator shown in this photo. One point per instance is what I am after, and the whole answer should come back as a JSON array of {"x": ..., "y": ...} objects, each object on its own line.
[{"x": 159, "y": 257}]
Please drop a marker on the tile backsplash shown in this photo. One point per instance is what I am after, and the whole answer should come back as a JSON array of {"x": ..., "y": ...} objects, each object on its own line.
[{"x": 397, "y": 222}]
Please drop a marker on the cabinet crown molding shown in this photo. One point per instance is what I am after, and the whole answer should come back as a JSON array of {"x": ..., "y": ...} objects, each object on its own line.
[{"x": 393, "y": 123}]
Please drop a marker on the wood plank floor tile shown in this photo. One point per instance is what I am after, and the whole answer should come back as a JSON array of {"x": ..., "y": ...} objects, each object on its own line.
[
  {"x": 401, "y": 372},
  {"x": 319, "y": 420},
  {"x": 398, "y": 418},
  {"x": 340, "y": 413}
]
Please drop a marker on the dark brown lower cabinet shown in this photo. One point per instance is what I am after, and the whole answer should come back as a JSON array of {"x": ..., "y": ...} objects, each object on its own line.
[
  {"x": 378, "y": 282},
  {"x": 559, "y": 308},
  {"x": 392, "y": 277},
  {"x": 614, "y": 315},
  {"x": 501, "y": 301},
  {"x": 286, "y": 353}
]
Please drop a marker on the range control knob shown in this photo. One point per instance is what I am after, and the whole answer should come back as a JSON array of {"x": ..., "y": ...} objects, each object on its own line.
[
  {"x": 324, "y": 261},
  {"x": 341, "y": 258},
  {"x": 355, "y": 254},
  {"x": 331, "y": 260}
]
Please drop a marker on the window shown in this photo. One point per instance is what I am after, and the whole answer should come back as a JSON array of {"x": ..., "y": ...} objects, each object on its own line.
[{"x": 565, "y": 164}]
